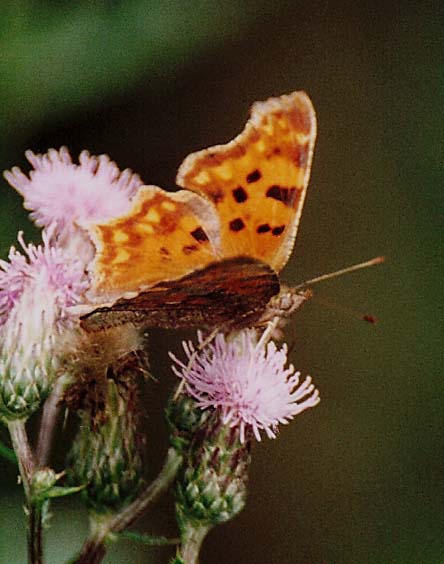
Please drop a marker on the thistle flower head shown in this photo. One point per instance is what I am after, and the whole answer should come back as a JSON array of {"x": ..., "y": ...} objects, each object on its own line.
[
  {"x": 36, "y": 289},
  {"x": 61, "y": 193},
  {"x": 247, "y": 380},
  {"x": 51, "y": 278}
]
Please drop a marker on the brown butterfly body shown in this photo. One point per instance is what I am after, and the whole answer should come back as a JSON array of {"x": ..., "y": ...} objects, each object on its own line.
[{"x": 208, "y": 255}]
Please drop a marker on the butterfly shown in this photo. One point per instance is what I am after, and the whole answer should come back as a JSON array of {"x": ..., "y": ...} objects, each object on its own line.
[{"x": 210, "y": 254}]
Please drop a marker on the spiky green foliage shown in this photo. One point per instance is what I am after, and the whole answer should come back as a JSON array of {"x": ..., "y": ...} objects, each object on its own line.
[
  {"x": 26, "y": 377},
  {"x": 212, "y": 484},
  {"x": 184, "y": 418},
  {"x": 105, "y": 456}
]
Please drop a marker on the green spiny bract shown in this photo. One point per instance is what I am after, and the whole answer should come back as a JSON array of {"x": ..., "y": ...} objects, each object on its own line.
[
  {"x": 184, "y": 418},
  {"x": 212, "y": 484},
  {"x": 27, "y": 373},
  {"x": 105, "y": 456}
]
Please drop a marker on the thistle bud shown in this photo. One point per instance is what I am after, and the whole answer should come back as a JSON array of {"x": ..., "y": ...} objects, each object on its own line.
[
  {"x": 212, "y": 484},
  {"x": 28, "y": 363},
  {"x": 43, "y": 480},
  {"x": 183, "y": 418},
  {"x": 105, "y": 456}
]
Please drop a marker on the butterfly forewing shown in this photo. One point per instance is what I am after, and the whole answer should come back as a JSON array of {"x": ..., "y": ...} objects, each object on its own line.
[{"x": 258, "y": 181}]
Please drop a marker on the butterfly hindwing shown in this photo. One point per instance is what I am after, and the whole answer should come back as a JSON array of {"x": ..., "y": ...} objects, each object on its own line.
[
  {"x": 229, "y": 293},
  {"x": 165, "y": 236}
]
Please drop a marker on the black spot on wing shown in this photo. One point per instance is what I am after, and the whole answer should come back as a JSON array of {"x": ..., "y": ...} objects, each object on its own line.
[
  {"x": 264, "y": 228},
  {"x": 254, "y": 176},
  {"x": 240, "y": 195},
  {"x": 199, "y": 234},
  {"x": 165, "y": 255},
  {"x": 276, "y": 231},
  {"x": 189, "y": 249},
  {"x": 237, "y": 224},
  {"x": 282, "y": 194}
]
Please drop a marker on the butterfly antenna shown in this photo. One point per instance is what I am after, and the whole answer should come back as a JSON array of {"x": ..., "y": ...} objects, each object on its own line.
[
  {"x": 336, "y": 273},
  {"x": 346, "y": 311}
]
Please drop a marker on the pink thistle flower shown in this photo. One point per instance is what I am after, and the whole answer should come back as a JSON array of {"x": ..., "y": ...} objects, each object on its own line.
[
  {"x": 37, "y": 329},
  {"x": 45, "y": 272},
  {"x": 63, "y": 194},
  {"x": 247, "y": 380}
]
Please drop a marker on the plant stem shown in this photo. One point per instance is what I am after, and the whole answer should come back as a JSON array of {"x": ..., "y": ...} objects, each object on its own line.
[
  {"x": 51, "y": 411},
  {"x": 191, "y": 542},
  {"x": 26, "y": 462},
  {"x": 35, "y": 537},
  {"x": 94, "y": 549},
  {"x": 23, "y": 451}
]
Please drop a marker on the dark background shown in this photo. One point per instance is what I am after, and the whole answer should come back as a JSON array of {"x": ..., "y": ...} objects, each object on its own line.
[{"x": 358, "y": 479}]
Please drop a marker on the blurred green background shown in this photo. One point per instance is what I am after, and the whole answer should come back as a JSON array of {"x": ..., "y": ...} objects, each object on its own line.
[{"x": 358, "y": 479}]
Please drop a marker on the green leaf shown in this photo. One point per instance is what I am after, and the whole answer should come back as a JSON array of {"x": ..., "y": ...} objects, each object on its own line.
[
  {"x": 56, "y": 491},
  {"x": 61, "y": 491},
  {"x": 177, "y": 560}
]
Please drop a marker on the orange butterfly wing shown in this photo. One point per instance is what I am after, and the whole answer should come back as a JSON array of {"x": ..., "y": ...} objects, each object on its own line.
[
  {"x": 244, "y": 199},
  {"x": 164, "y": 236},
  {"x": 258, "y": 181}
]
